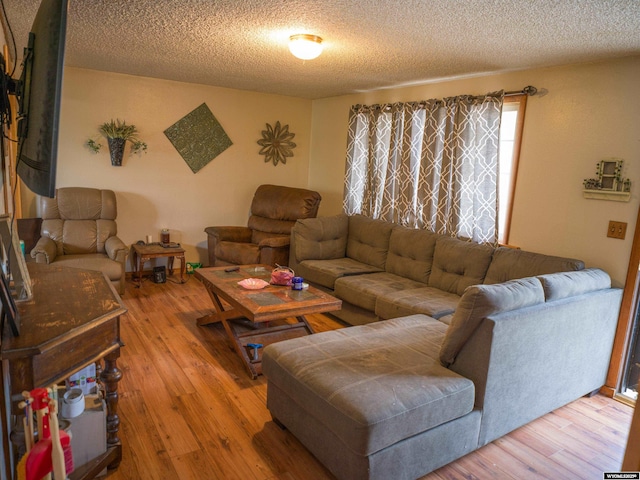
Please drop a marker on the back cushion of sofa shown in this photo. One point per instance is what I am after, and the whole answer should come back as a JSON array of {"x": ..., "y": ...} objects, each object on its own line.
[
  {"x": 458, "y": 264},
  {"x": 411, "y": 253},
  {"x": 480, "y": 301},
  {"x": 368, "y": 240},
  {"x": 79, "y": 203},
  {"x": 80, "y": 236},
  {"x": 509, "y": 263},
  {"x": 322, "y": 238},
  {"x": 278, "y": 202},
  {"x": 267, "y": 226},
  {"x": 569, "y": 284}
]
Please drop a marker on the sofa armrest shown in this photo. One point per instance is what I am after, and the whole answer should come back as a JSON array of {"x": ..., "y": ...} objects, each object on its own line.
[
  {"x": 116, "y": 249},
  {"x": 229, "y": 234},
  {"x": 225, "y": 234},
  {"x": 45, "y": 250},
  {"x": 528, "y": 362}
]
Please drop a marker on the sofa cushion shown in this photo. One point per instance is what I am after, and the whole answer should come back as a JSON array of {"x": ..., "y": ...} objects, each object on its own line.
[
  {"x": 458, "y": 264},
  {"x": 569, "y": 284},
  {"x": 368, "y": 240},
  {"x": 372, "y": 385},
  {"x": 237, "y": 253},
  {"x": 93, "y": 261},
  {"x": 321, "y": 238},
  {"x": 510, "y": 263},
  {"x": 480, "y": 301},
  {"x": 326, "y": 272},
  {"x": 446, "y": 319},
  {"x": 427, "y": 300},
  {"x": 363, "y": 290},
  {"x": 411, "y": 253}
]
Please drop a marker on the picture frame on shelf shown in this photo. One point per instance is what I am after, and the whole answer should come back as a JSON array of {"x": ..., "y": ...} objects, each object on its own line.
[
  {"x": 14, "y": 266},
  {"x": 9, "y": 310},
  {"x": 609, "y": 174}
]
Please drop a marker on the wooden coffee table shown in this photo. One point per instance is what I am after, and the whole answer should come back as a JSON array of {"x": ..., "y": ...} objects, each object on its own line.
[{"x": 247, "y": 315}]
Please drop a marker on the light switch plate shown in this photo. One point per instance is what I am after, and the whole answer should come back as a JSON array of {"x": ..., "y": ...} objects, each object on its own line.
[{"x": 617, "y": 229}]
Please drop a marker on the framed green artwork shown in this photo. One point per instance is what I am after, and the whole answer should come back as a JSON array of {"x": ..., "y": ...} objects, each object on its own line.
[{"x": 198, "y": 137}]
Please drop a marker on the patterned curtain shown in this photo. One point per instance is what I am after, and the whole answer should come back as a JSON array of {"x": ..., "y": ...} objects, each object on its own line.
[{"x": 431, "y": 164}]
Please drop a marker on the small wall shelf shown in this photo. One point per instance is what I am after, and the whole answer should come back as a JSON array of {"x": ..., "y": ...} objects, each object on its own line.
[
  {"x": 607, "y": 195},
  {"x": 609, "y": 184}
]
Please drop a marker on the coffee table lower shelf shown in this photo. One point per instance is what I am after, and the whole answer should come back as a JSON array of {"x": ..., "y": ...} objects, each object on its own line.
[{"x": 243, "y": 332}]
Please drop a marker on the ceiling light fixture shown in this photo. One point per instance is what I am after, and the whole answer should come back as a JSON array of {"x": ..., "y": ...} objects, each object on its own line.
[{"x": 305, "y": 46}]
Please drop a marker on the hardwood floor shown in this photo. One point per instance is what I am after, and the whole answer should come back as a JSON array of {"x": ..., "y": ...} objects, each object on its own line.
[{"x": 189, "y": 410}]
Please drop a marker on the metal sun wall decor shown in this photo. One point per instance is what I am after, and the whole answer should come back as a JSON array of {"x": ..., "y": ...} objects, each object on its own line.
[
  {"x": 198, "y": 137},
  {"x": 276, "y": 144}
]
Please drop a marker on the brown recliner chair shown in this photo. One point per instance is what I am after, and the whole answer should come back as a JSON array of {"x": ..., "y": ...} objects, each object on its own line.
[
  {"x": 79, "y": 230},
  {"x": 274, "y": 211}
]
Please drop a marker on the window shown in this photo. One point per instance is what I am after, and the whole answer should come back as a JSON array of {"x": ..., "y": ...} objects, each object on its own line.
[
  {"x": 511, "y": 126},
  {"x": 430, "y": 164},
  {"x": 446, "y": 165}
]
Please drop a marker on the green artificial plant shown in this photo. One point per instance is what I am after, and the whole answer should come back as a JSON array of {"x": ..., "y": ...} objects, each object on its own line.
[{"x": 118, "y": 129}]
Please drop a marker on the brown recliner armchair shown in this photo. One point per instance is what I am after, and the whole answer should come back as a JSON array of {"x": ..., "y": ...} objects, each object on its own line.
[
  {"x": 274, "y": 211},
  {"x": 79, "y": 230}
]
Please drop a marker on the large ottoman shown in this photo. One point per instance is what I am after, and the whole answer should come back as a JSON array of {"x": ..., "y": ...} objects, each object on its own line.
[{"x": 373, "y": 401}]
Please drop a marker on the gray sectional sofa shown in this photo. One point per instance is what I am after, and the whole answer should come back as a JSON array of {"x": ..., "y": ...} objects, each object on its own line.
[
  {"x": 399, "y": 398},
  {"x": 380, "y": 270}
]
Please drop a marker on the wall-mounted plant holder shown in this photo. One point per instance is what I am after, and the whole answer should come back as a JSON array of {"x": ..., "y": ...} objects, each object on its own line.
[
  {"x": 118, "y": 134},
  {"x": 609, "y": 184}
]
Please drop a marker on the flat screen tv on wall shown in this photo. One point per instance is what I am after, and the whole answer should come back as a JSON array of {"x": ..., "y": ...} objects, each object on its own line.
[{"x": 39, "y": 91}]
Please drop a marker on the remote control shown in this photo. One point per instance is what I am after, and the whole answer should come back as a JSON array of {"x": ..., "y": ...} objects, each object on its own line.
[{"x": 231, "y": 269}]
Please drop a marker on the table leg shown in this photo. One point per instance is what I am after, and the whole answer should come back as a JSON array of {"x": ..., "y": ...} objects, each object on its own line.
[
  {"x": 138, "y": 264},
  {"x": 110, "y": 377},
  {"x": 170, "y": 264},
  {"x": 134, "y": 264},
  {"x": 219, "y": 312},
  {"x": 242, "y": 333},
  {"x": 183, "y": 267},
  {"x": 240, "y": 350},
  {"x": 303, "y": 319}
]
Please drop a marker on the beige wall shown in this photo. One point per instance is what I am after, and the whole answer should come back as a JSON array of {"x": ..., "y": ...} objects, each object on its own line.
[
  {"x": 591, "y": 112},
  {"x": 157, "y": 189}
]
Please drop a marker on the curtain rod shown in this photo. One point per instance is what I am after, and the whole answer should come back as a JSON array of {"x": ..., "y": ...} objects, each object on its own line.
[{"x": 528, "y": 90}]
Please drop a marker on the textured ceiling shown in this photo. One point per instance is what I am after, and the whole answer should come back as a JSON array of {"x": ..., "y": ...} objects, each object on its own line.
[{"x": 368, "y": 44}]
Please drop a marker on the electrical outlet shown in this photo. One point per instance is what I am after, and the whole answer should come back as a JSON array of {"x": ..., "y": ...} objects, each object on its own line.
[{"x": 617, "y": 229}]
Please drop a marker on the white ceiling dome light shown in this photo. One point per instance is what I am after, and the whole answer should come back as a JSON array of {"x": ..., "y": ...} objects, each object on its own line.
[{"x": 305, "y": 46}]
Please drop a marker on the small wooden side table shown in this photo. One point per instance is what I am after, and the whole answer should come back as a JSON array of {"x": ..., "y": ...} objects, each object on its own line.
[{"x": 143, "y": 253}]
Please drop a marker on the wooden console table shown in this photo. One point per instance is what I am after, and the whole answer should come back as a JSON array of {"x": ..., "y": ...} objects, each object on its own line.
[{"x": 72, "y": 320}]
